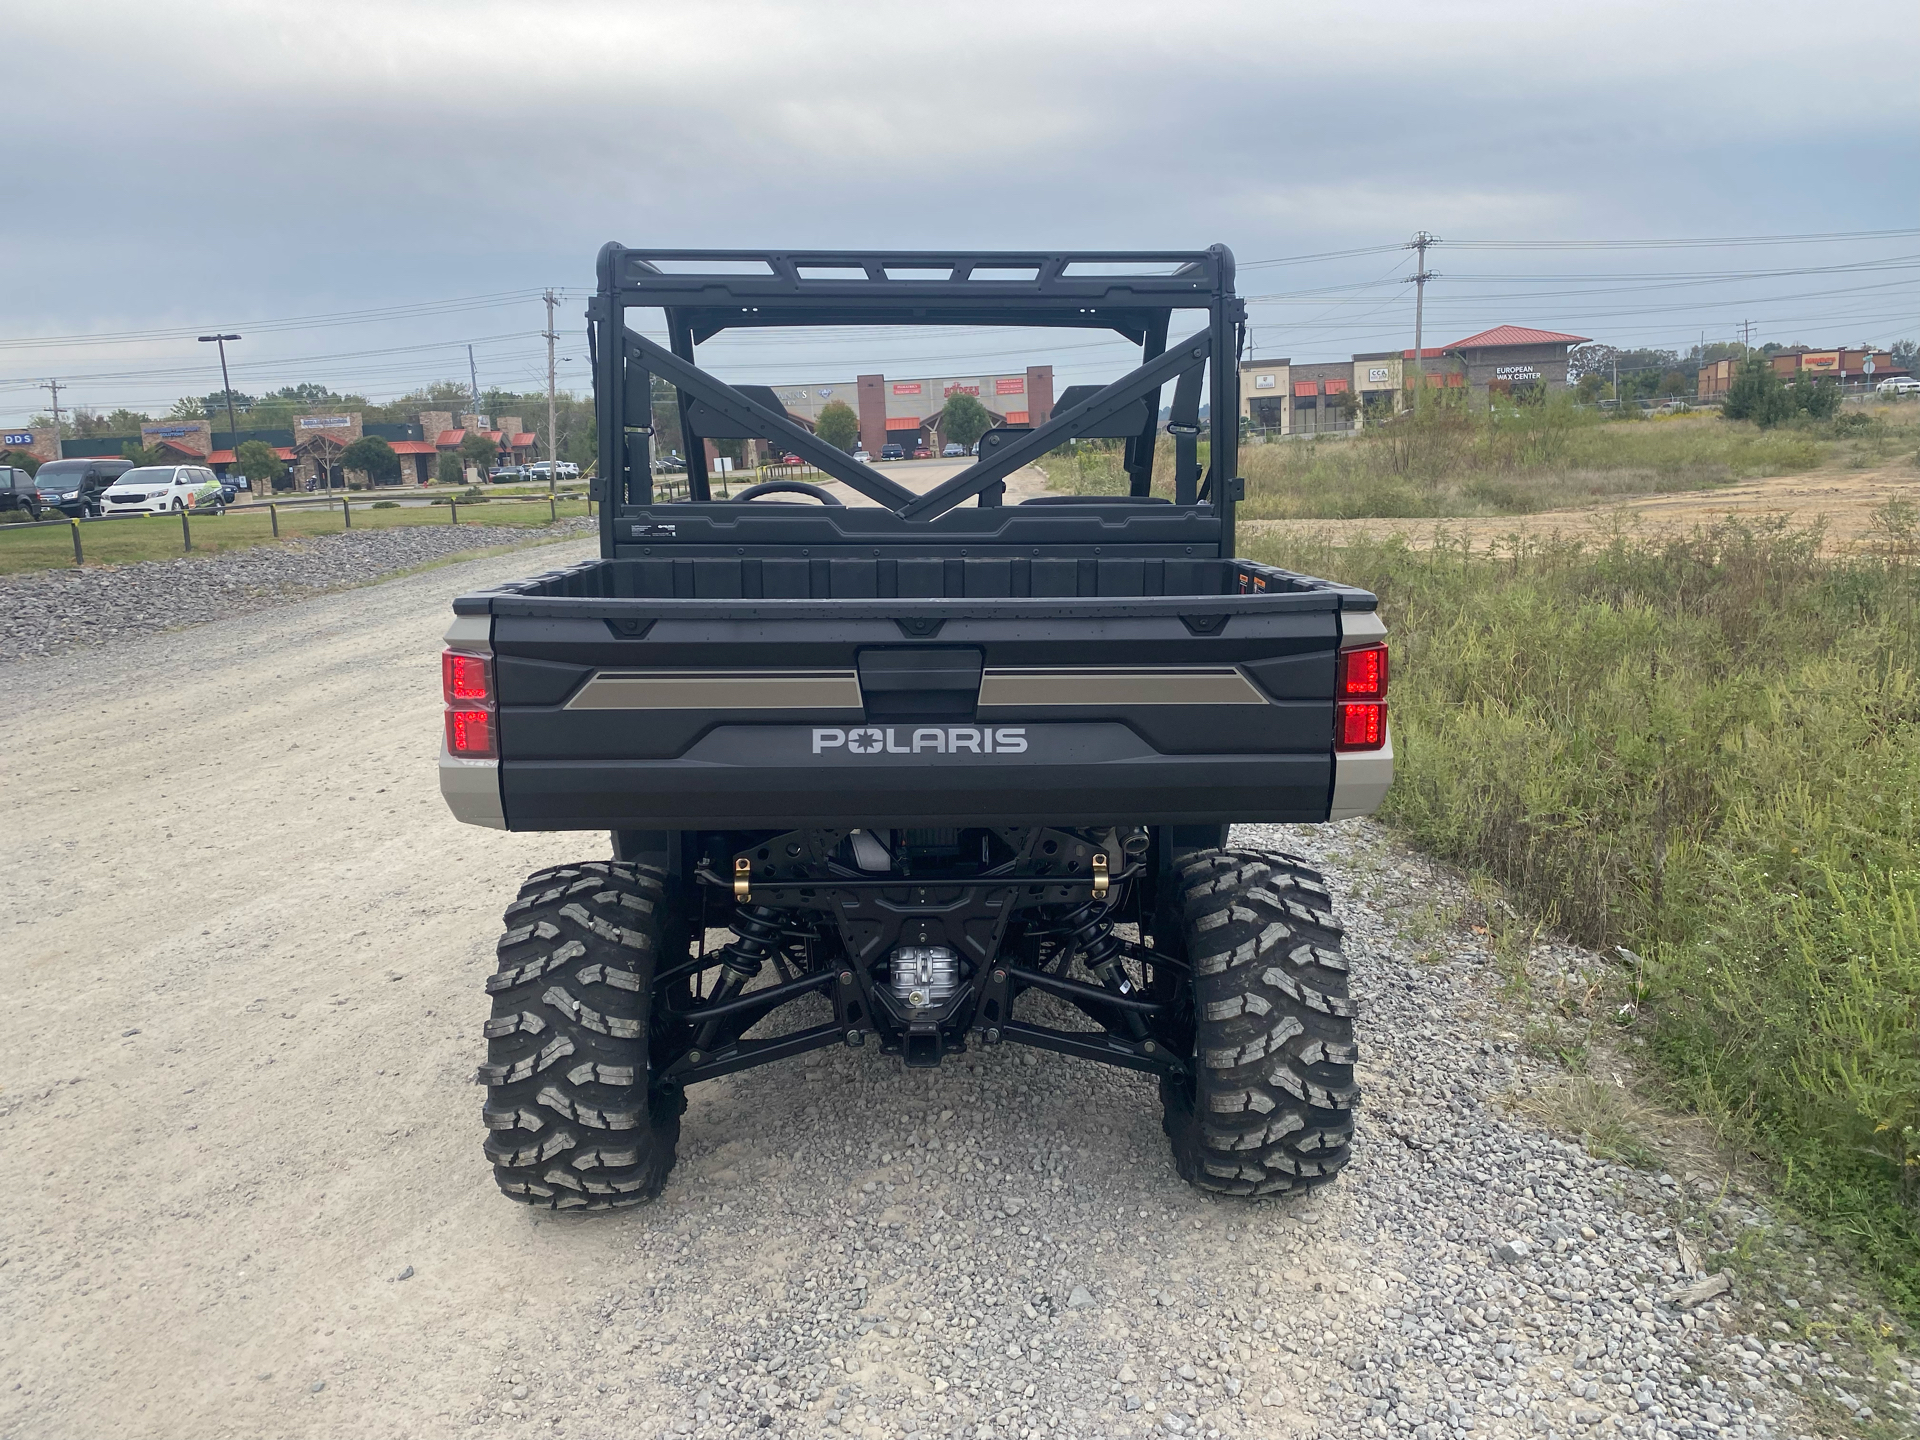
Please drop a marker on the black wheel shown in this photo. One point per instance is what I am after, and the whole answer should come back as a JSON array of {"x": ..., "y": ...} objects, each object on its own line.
[
  {"x": 1269, "y": 1107},
  {"x": 572, "y": 1117}
]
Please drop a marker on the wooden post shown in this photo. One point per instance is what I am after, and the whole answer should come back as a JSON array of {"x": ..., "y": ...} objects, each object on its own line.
[
  {"x": 453, "y": 508},
  {"x": 273, "y": 514},
  {"x": 186, "y": 530},
  {"x": 77, "y": 558},
  {"x": 346, "y": 513}
]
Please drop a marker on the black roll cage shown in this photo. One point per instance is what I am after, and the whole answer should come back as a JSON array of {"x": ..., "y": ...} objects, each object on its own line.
[{"x": 1134, "y": 293}]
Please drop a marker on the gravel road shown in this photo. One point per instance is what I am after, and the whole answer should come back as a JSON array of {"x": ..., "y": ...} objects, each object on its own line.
[
  {"x": 245, "y": 952},
  {"x": 51, "y": 611}
]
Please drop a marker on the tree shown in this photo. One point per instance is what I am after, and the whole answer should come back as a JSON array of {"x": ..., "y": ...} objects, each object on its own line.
[
  {"x": 188, "y": 407},
  {"x": 256, "y": 460},
  {"x": 215, "y": 403},
  {"x": 1757, "y": 394},
  {"x": 1904, "y": 353},
  {"x": 1584, "y": 360},
  {"x": 372, "y": 457},
  {"x": 144, "y": 454},
  {"x": 964, "y": 420},
  {"x": 837, "y": 425},
  {"x": 20, "y": 460},
  {"x": 1818, "y": 397},
  {"x": 449, "y": 470},
  {"x": 478, "y": 450}
]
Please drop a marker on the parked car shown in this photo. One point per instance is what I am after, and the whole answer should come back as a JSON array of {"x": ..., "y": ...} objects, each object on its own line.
[
  {"x": 791, "y": 460},
  {"x": 953, "y": 449},
  {"x": 567, "y": 470},
  {"x": 1896, "y": 385},
  {"x": 669, "y": 464},
  {"x": 18, "y": 492},
  {"x": 160, "y": 489},
  {"x": 921, "y": 452},
  {"x": 893, "y": 452},
  {"x": 862, "y": 456},
  {"x": 74, "y": 487},
  {"x": 506, "y": 474}
]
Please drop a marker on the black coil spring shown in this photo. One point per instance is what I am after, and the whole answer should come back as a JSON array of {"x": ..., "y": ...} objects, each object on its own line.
[
  {"x": 757, "y": 933},
  {"x": 1088, "y": 928}
]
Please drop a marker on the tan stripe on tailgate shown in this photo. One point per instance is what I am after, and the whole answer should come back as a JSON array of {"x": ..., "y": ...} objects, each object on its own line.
[
  {"x": 1183, "y": 685},
  {"x": 719, "y": 690}
]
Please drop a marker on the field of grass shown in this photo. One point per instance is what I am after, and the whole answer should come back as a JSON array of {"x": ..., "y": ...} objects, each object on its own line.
[
  {"x": 123, "y": 541},
  {"x": 1704, "y": 749},
  {"x": 1455, "y": 461}
]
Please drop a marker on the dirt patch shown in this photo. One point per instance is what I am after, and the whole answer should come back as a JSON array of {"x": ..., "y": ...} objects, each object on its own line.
[{"x": 1844, "y": 502}]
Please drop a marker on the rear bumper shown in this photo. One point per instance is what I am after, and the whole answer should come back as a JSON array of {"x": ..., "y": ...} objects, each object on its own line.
[{"x": 764, "y": 777}]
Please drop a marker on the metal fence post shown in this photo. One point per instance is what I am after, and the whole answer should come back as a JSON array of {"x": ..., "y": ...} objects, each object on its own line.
[
  {"x": 77, "y": 558},
  {"x": 273, "y": 514},
  {"x": 186, "y": 530}
]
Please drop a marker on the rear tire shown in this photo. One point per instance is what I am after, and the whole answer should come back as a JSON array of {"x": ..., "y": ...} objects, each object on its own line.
[
  {"x": 573, "y": 1120},
  {"x": 1269, "y": 1106}
]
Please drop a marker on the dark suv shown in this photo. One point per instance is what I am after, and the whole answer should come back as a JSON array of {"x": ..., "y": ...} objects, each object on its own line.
[
  {"x": 74, "y": 487},
  {"x": 18, "y": 492}
]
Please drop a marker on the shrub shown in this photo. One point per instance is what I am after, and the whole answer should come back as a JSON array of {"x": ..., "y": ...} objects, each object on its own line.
[{"x": 1705, "y": 748}]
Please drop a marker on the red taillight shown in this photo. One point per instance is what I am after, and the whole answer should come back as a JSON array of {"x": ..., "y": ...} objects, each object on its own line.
[
  {"x": 465, "y": 677},
  {"x": 1360, "y": 725},
  {"x": 1363, "y": 671},
  {"x": 470, "y": 733}
]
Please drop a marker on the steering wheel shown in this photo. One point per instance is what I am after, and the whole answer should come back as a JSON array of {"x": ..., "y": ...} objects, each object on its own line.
[{"x": 789, "y": 487}]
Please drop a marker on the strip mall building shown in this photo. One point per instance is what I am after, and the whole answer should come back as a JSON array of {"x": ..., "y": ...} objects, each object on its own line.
[
  {"x": 907, "y": 412},
  {"x": 311, "y": 447},
  {"x": 1281, "y": 397}
]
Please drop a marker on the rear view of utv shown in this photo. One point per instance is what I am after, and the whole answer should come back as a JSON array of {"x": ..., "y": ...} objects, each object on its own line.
[{"x": 917, "y": 770}]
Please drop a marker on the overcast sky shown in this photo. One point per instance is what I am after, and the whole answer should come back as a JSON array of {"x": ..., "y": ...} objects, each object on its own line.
[{"x": 176, "y": 167}]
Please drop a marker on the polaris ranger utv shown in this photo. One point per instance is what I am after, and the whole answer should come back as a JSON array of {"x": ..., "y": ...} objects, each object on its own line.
[{"x": 949, "y": 772}]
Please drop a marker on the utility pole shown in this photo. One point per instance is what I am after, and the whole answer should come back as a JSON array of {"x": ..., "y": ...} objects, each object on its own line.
[
  {"x": 1746, "y": 334},
  {"x": 226, "y": 386},
  {"x": 1421, "y": 240},
  {"x": 553, "y": 436},
  {"x": 473, "y": 380},
  {"x": 54, "y": 386}
]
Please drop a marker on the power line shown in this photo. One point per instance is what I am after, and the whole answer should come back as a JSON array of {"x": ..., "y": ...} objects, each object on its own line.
[{"x": 1827, "y": 237}]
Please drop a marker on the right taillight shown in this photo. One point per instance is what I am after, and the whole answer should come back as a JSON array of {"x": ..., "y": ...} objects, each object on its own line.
[
  {"x": 1360, "y": 699},
  {"x": 1362, "y": 673},
  {"x": 466, "y": 684},
  {"x": 1360, "y": 725}
]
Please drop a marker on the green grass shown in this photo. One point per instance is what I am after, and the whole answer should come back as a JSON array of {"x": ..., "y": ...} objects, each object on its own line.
[
  {"x": 122, "y": 542},
  {"x": 1453, "y": 460},
  {"x": 1704, "y": 748}
]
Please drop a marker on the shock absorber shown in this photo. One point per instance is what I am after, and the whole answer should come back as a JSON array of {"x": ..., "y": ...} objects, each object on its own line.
[
  {"x": 1089, "y": 929},
  {"x": 756, "y": 930}
]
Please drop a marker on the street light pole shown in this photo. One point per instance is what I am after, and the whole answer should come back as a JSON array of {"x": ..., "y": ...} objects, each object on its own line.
[{"x": 226, "y": 388}]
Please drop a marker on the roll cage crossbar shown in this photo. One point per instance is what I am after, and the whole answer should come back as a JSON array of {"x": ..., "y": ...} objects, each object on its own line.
[{"x": 1134, "y": 294}]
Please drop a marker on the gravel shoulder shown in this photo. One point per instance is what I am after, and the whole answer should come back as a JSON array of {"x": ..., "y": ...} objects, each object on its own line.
[
  {"x": 251, "y": 1199},
  {"x": 49, "y": 612}
]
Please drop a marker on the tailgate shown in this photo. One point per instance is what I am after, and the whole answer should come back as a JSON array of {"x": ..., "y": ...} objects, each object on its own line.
[{"x": 683, "y": 713}]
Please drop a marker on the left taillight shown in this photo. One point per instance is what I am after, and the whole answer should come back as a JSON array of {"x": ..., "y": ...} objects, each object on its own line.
[{"x": 466, "y": 685}]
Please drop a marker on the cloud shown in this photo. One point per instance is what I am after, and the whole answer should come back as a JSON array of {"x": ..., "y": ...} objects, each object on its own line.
[{"x": 241, "y": 159}]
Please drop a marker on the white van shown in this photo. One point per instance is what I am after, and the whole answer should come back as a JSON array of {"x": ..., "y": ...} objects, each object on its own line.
[{"x": 161, "y": 489}]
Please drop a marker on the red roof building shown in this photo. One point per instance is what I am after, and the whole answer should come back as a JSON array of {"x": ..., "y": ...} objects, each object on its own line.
[{"x": 1515, "y": 357}]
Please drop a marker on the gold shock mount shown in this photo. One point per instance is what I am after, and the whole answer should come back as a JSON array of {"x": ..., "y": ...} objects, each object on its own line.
[
  {"x": 743, "y": 879},
  {"x": 1099, "y": 874}
]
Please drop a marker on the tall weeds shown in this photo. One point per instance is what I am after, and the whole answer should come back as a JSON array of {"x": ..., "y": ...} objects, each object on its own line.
[{"x": 1705, "y": 748}]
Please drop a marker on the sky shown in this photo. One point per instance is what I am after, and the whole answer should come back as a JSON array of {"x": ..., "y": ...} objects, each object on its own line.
[{"x": 361, "y": 190}]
